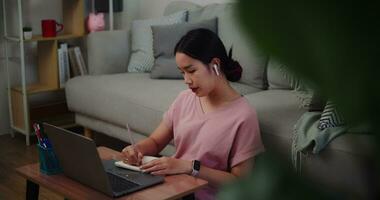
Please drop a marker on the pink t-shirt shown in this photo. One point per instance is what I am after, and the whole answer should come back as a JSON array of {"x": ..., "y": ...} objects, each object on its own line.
[{"x": 220, "y": 139}]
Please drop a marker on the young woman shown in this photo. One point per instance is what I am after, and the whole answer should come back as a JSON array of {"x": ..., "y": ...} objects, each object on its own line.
[{"x": 215, "y": 130}]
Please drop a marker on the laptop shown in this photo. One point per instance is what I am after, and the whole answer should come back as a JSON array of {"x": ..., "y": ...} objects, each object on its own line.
[{"x": 79, "y": 160}]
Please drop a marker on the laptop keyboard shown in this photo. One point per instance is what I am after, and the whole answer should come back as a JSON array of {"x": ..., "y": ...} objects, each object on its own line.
[{"x": 119, "y": 184}]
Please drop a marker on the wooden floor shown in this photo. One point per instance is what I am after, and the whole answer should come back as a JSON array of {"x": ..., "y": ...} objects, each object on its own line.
[{"x": 14, "y": 153}]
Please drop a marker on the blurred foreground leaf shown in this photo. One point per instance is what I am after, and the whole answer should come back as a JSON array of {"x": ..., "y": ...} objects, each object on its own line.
[{"x": 334, "y": 45}]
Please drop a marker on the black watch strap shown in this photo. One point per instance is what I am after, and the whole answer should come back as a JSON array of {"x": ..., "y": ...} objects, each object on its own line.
[{"x": 196, "y": 167}]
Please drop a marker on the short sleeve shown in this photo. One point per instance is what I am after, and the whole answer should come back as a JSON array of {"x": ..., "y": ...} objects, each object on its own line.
[{"x": 247, "y": 142}]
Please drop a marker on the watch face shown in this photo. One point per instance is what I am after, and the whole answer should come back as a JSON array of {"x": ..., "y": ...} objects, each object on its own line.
[{"x": 197, "y": 165}]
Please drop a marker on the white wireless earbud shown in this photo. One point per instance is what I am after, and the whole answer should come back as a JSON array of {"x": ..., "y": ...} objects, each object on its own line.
[{"x": 216, "y": 69}]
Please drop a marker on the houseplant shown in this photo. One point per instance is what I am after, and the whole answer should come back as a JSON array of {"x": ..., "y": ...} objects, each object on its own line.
[
  {"x": 334, "y": 47},
  {"x": 27, "y": 32}
]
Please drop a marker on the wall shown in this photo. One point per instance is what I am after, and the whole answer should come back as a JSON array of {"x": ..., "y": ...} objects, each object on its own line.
[
  {"x": 151, "y": 9},
  {"x": 145, "y": 9}
]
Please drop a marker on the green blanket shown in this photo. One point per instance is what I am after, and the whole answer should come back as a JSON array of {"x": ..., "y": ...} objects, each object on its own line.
[{"x": 307, "y": 136}]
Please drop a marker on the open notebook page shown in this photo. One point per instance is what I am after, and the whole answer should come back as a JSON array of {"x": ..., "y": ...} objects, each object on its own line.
[{"x": 145, "y": 159}]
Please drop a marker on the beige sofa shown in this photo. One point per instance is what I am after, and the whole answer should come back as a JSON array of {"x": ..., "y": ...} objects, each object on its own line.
[{"x": 110, "y": 97}]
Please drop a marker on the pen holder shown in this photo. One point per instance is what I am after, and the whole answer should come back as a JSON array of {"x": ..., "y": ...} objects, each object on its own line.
[{"x": 49, "y": 164}]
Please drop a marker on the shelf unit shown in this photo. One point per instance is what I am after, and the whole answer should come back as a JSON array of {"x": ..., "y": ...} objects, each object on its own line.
[{"x": 21, "y": 112}]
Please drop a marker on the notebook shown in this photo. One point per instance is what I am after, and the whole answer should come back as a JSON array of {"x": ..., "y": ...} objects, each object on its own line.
[{"x": 145, "y": 159}]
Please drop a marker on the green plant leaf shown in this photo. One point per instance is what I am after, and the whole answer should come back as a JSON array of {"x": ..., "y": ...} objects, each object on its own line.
[{"x": 334, "y": 45}]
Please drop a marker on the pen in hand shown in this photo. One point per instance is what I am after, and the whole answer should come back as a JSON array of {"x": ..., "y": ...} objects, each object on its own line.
[
  {"x": 137, "y": 154},
  {"x": 131, "y": 140}
]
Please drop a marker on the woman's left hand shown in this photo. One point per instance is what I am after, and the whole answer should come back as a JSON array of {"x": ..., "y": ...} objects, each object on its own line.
[{"x": 167, "y": 165}]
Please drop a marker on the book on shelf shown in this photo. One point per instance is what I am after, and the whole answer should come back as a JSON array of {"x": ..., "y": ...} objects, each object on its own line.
[
  {"x": 80, "y": 60},
  {"x": 63, "y": 65},
  {"x": 77, "y": 63},
  {"x": 60, "y": 69},
  {"x": 65, "y": 52},
  {"x": 73, "y": 63}
]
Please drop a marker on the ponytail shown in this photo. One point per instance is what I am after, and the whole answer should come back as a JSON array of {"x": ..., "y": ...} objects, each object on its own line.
[{"x": 232, "y": 69}]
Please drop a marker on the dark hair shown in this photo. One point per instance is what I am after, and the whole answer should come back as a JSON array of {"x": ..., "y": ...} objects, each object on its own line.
[{"x": 204, "y": 45}]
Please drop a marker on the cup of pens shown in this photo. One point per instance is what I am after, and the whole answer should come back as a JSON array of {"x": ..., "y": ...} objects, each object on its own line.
[{"x": 49, "y": 163}]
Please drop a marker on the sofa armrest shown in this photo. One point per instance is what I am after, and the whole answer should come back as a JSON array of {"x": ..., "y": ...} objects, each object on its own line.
[{"x": 107, "y": 52}]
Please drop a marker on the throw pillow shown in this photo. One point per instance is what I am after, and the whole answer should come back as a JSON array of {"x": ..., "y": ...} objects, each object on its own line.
[
  {"x": 280, "y": 78},
  {"x": 142, "y": 40},
  {"x": 164, "y": 40},
  {"x": 277, "y": 75},
  {"x": 165, "y": 68},
  {"x": 330, "y": 117}
]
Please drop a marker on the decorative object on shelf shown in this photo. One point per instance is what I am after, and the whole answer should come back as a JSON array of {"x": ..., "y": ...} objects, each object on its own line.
[
  {"x": 27, "y": 31},
  {"x": 95, "y": 22},
  {"x": 63, "y": 64},
  {"x": 77, "y": 64},
  {"x": 49, "y": 27}
]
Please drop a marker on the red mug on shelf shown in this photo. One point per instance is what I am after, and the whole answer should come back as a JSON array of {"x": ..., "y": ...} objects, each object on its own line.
[{"x": 49, "y": 27}]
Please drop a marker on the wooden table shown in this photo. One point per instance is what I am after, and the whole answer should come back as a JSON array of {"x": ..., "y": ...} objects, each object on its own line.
[{"x": 174, "y": 186}]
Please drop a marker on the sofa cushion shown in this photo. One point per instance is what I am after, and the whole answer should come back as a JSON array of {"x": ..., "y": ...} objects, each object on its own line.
[
  {"x": 165, "y": 68},
  {"x": 347, "y": 163},
  {"x": 114, "y": 53},
  {"x": 276, "y": 76},
  {"x": 142, "y": 40},
  {"x": 117, "y": 132},
  {"x": 230, "y": 32},
  {"x": 164, "y": 40},
  {"x": 279, "y": 77},
  {"x": 129, "y": 97},
  {"x": 277, "y": 110}
]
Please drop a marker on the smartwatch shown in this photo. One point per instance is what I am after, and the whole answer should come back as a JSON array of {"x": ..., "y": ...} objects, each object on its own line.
[{"x": 196, "y": 167}]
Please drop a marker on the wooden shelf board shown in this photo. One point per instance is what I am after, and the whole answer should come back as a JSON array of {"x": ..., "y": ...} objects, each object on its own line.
[
  {"x": 35, "y": 88},
  {"x": 37, "y": 38}
]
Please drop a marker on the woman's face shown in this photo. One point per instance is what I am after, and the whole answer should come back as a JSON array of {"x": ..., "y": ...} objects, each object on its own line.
[{"x": 199, "y": 78}]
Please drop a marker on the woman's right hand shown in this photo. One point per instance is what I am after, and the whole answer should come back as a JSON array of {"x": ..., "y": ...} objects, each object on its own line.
[{"x": 131, "y": 155}]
